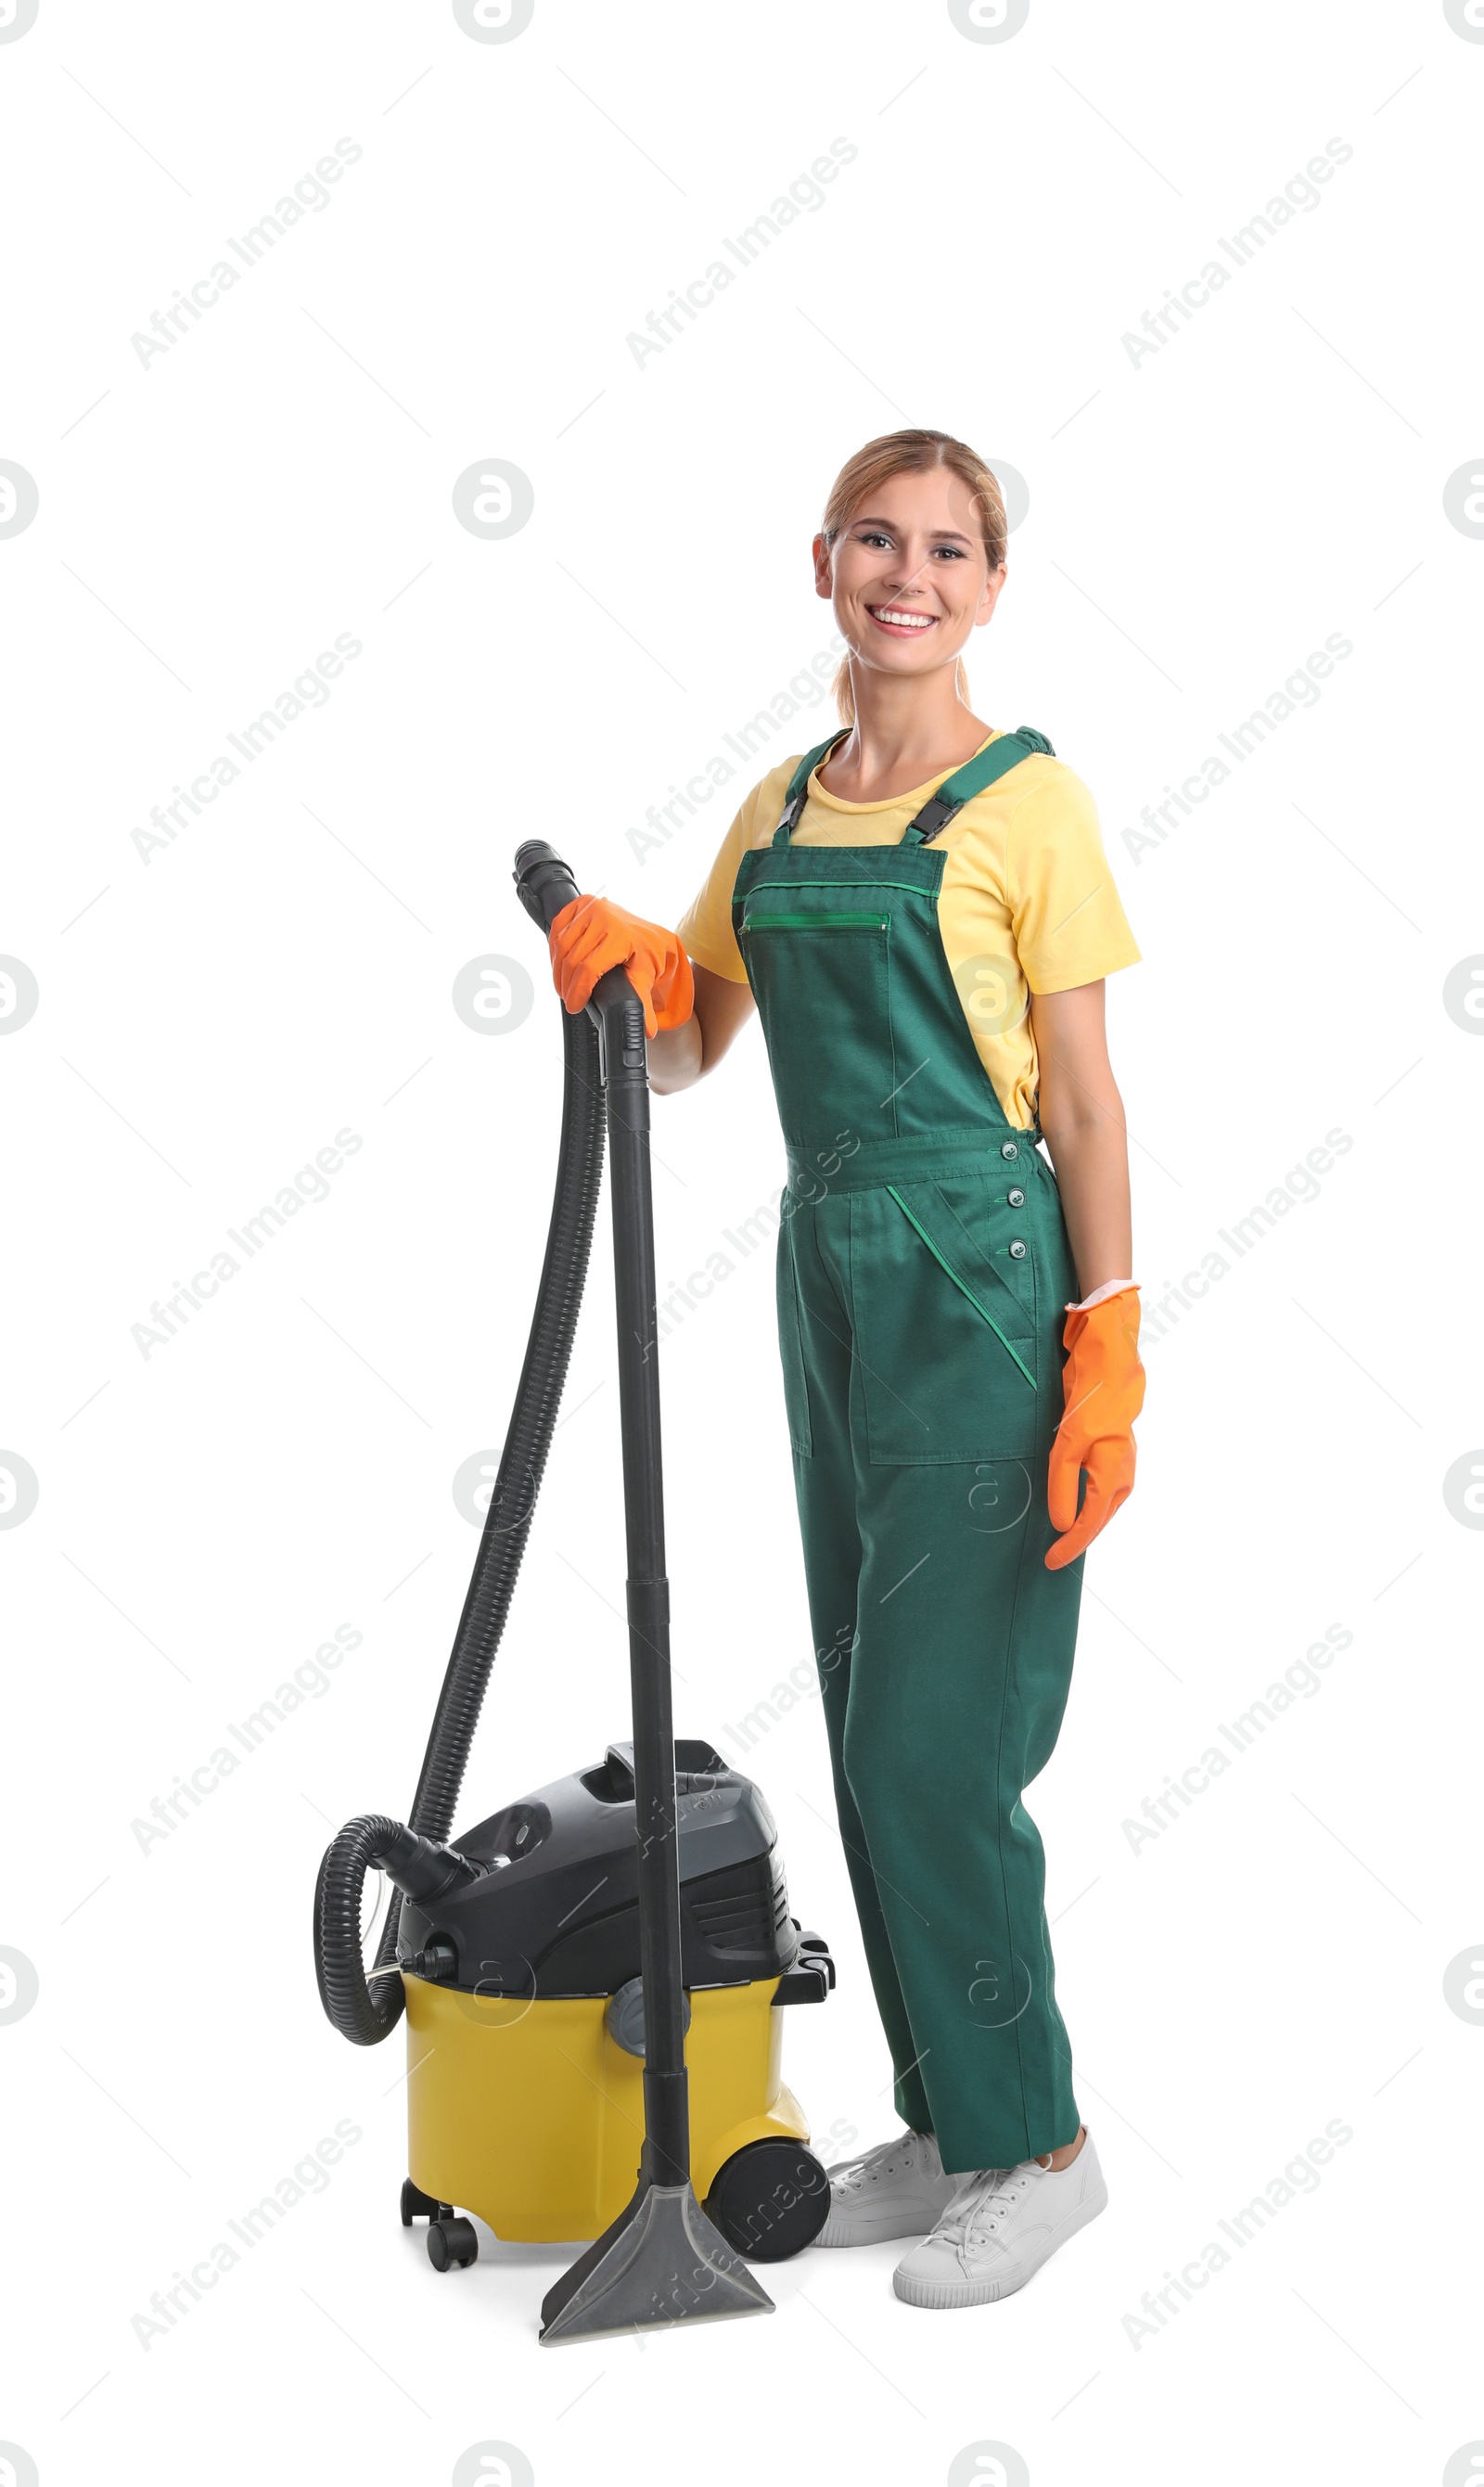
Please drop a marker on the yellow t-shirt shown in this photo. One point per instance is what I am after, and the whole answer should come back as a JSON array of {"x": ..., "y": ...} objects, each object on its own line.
[{"x": 1026, "y": 905}]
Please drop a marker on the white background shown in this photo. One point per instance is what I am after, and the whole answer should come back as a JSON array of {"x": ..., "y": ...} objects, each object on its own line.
[{"x": 208, "y": 1021}]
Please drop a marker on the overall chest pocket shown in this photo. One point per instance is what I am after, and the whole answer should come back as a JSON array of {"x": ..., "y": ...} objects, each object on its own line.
[
  {"x": 944, "y": 1321},
  {"x": 822, "y": 981}
]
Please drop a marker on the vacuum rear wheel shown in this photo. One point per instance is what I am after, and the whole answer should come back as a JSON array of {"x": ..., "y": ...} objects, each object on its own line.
[
  {"x": 418, "y": 2205},
  {"x": 769, "y": 2200}
]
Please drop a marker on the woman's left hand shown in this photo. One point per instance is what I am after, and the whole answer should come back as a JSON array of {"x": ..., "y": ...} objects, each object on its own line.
[{"x": 1103, "y": 1386}]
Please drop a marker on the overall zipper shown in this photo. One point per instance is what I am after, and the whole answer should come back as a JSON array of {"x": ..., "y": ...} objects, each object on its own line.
[{"x": 815, "y": 923}]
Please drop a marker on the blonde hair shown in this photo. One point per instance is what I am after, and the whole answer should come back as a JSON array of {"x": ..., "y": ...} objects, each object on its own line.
[{"x": 910, "y": 453}]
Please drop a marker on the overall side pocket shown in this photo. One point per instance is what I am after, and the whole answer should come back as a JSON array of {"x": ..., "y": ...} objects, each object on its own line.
[{"x": 948, "y": 1354}]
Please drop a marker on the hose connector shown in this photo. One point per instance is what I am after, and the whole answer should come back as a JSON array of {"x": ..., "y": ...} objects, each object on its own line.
[
  {"x": 423, "y": 1869},
  {"x": 435, "y": 1961},
  {"x": 364, "y": 2010}
]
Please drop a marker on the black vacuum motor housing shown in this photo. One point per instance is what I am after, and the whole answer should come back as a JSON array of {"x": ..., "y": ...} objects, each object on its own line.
[{"x": 555, "y": 1905}]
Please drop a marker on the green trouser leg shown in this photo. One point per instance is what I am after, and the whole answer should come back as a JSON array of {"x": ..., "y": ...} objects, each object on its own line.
[
  {"x": 825, "y": 1490},
  {"x": 944, "y": 1649}
]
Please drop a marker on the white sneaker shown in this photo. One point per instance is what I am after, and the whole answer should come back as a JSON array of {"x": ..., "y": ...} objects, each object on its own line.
[
  {"x": 897, "y": 2190},
  {"x": 1001, "y": 2227}
]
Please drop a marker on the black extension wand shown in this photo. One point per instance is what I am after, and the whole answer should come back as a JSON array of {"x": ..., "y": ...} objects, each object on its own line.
[{"x": 662, "y": 2261}]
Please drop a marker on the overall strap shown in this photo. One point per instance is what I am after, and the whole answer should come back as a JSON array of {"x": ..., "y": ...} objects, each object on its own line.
[
  {"x": 799, "y": 785},
  {"x": 996, "y": 759}
]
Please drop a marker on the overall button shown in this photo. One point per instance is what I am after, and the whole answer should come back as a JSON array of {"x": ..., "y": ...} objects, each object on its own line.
[
  {"x": 1008, "y": 1149},
  {"x": 1017, "y": 1250},
  {"x": 1017, "y": 1199}
]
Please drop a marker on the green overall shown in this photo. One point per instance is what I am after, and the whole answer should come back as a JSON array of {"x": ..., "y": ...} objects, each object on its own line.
[{"x": 923, "y": 1267}]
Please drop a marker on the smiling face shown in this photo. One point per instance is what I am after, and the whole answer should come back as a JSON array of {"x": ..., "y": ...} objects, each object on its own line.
[{"x": 909, "y": 576}]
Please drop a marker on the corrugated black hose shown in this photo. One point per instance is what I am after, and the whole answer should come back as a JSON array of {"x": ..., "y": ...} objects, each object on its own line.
[{"x": 364, "y": 2010}]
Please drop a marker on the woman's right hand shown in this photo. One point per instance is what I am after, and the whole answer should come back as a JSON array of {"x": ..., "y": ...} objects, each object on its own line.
[{"x": 592, "y": 935}]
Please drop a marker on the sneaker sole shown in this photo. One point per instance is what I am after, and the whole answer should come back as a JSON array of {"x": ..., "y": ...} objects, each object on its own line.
[
  {"x": 941, "y": 2294},
  {"x": 845, "y": 2228}
]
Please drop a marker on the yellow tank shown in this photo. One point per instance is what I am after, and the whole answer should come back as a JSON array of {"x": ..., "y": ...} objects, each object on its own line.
[{"x": 531, "y": 2115}]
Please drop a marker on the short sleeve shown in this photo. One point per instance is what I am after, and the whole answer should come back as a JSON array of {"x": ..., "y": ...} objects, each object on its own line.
[
  {"x": 705, "y": 929},
  {"x": 1068, "y": 920}
]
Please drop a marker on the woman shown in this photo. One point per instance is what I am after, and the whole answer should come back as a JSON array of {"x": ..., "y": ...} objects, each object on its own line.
[{"x": 922, "y": 914}]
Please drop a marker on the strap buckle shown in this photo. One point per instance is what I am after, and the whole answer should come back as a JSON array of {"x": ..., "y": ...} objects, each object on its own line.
[
  {"x": 934, "y": 816},
  {"x": 799, "y": 787}
]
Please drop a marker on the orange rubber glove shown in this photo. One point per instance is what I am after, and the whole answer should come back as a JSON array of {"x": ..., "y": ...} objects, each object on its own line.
[
  {"x": 591, "y": 935},
  {"x": 1102, "y": 1388}
]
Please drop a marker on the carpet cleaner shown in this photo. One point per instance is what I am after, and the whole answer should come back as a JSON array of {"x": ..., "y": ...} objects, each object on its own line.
[{"x": 591, "y": 1975}]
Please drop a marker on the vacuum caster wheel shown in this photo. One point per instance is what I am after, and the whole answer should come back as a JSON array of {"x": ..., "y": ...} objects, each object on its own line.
[
  {"x": 453, "y": 2243},
  {"x": 416, "y": 2204},
  {"x": 769, "y": 2200}
]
